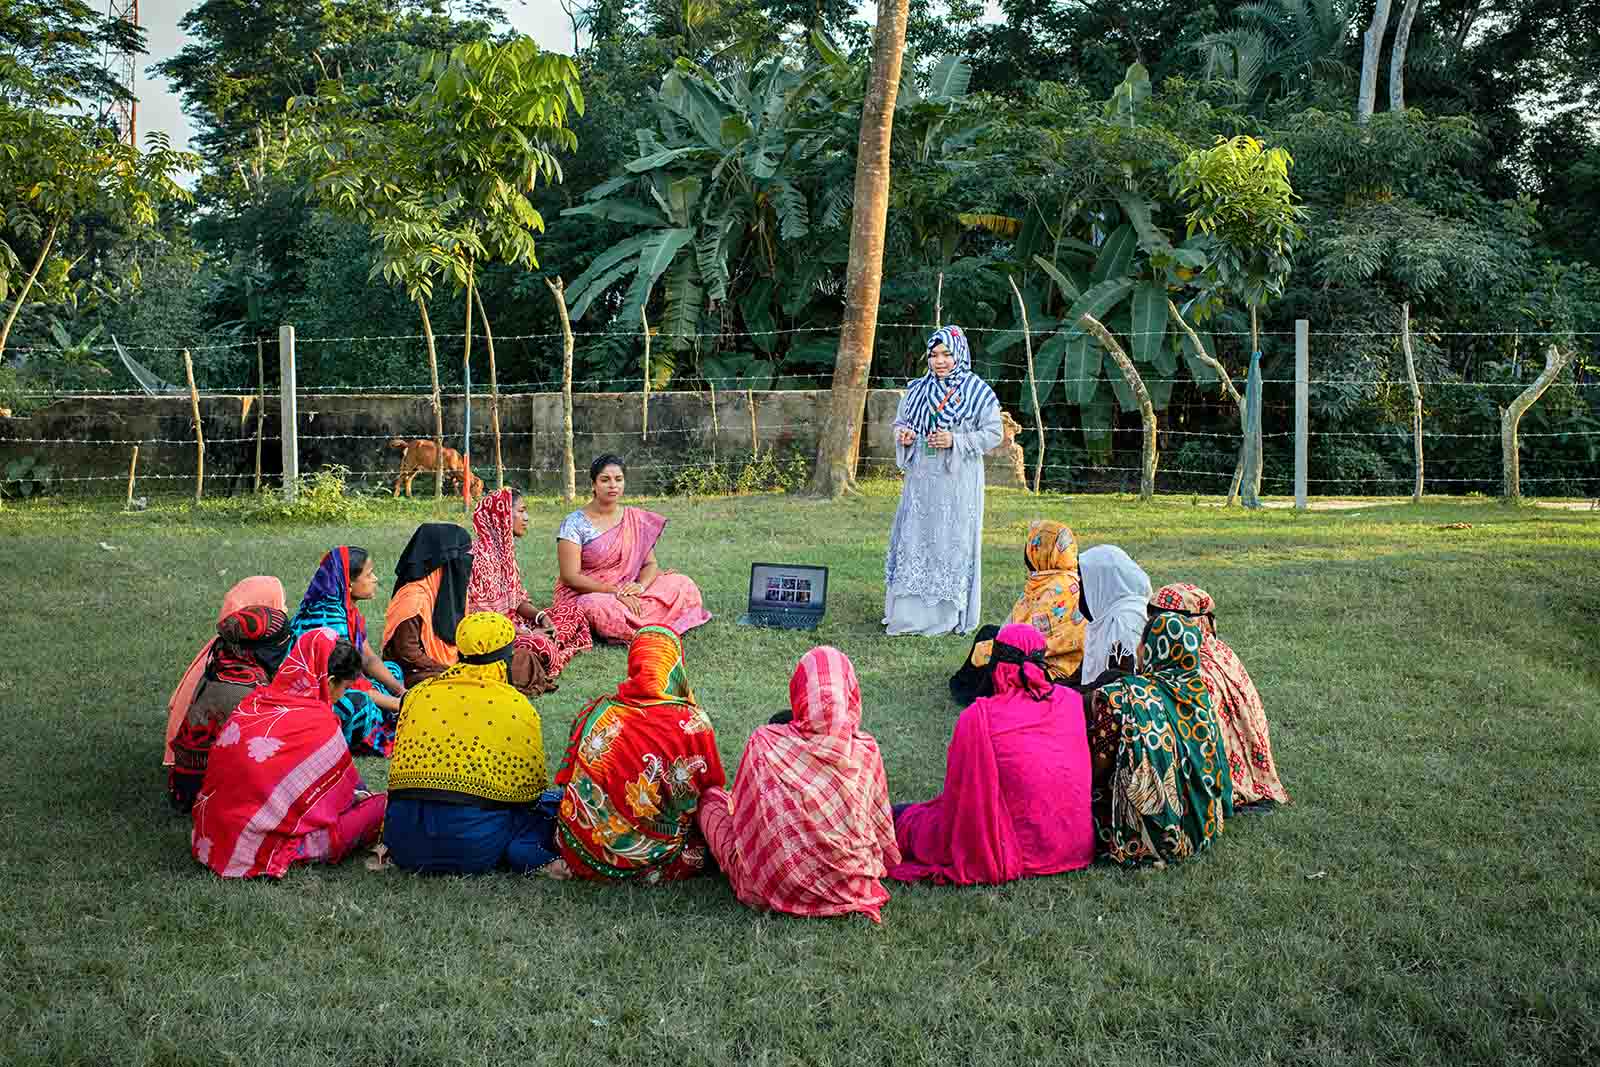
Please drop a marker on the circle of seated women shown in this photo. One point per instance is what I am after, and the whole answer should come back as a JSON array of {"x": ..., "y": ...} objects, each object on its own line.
[{"x": 1103, "y": 719}]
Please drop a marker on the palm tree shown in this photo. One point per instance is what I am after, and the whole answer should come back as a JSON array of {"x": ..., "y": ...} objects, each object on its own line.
[
  {"x": 840, "y": 444},
  {"x": 1275, "y": 46}
]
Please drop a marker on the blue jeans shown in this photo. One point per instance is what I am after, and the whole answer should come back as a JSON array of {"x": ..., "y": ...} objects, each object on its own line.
[{"x": 437, "y": 837}]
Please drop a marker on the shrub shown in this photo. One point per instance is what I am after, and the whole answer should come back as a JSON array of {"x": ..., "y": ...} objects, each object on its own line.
[
  {"x": 26, "y": 478},
  {"x": 763, "y": 472},
  {"x": 322, "y": 497}
]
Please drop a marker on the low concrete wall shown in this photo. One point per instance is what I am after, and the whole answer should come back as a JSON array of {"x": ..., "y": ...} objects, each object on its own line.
[{"x": 92, "y": 438}]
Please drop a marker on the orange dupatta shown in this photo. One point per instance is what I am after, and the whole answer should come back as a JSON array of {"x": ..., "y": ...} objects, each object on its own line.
[{"x": 415, "y": 600}]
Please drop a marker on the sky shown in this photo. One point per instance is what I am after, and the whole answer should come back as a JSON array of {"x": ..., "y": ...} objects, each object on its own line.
[{"x": 160, "y": 108}]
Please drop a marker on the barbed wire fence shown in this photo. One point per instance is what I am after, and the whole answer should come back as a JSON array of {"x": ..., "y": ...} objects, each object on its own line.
[{"x": 101, "y": 440}]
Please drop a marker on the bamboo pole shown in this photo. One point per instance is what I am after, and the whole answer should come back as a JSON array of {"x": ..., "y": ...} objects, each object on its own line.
[
  {"x": 133, "y": 467},
  {"x": 644, "y": 401},
  {"x": 466, "y": 404},
  {"x": 261, "y": 410},
  {"x": 438, "y": 405},
  {"x": 755, "y": 441},
  {"x": 714, "y": 430},
  {"x": 494, "y": 392},
  {"x": 1033, "y": 384},
  {"x": 1416, "y": 399},
  {"x": 938, "y": 303},
  {"x": 199, "y": 431},
  {"x": 569, "y": 473}
]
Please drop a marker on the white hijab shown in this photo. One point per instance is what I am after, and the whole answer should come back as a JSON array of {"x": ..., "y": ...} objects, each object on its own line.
[{"x": 1117, "y": 591}]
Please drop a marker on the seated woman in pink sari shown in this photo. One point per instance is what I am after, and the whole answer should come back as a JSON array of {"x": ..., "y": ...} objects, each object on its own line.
[
  {"x": 609, "y": 570},
  {"x": 280, "y": 787},
  {"x": 1016, "y": 800}
]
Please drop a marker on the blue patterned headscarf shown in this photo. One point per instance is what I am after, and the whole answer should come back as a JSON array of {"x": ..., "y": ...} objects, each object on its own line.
[
  {"x": 933, "y": 403},
  {"x": 330, "y": 587}
]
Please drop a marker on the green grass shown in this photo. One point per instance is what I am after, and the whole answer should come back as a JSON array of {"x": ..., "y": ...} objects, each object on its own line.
[{"x": 1431, "y": 896}]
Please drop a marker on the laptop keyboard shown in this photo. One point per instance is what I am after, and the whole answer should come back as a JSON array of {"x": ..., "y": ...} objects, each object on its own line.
[{"x": 784, "y": 620}]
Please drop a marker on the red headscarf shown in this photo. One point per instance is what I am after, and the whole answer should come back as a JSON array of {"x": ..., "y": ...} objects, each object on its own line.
[
  {"x": 496, "y": 582},
  {"x": 279, "y": 770}
]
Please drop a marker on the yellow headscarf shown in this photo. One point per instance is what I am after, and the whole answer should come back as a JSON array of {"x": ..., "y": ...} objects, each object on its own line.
[
  {"x": 468, "y": 731},
  {"x": 1049, "y": 601}
]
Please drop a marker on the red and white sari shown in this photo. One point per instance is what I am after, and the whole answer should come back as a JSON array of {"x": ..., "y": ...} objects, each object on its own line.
[
  {"x": 280, "y": 786},
  {"x": 616, "y": 557},
  {"x": 496, "y": 585}
]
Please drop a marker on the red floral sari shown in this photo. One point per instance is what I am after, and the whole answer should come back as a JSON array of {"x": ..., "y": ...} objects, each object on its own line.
[
  {"x": 616, "y": 557},
  {"x": 636, "y": 764},
  {"x": 280, "y": 785},
  {"x": 496, "y": 585}
]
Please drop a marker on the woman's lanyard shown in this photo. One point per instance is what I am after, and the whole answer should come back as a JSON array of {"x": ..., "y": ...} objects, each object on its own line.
[{"x": 938, "y": 409}]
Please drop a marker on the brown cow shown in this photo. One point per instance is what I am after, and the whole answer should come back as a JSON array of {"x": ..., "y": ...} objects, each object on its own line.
[{"x": 420, "y": 458}]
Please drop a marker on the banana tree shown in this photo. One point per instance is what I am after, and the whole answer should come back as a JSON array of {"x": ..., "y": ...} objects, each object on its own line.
[{"x": 719, "y": 204}]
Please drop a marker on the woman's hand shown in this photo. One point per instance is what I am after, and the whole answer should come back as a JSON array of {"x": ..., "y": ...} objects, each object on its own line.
[
  {"x": 631, "y": 602},
  {"x": 941, "y": 439},
  {"x": 905, "y": 436},
  {"x": 632, "y": 589}
]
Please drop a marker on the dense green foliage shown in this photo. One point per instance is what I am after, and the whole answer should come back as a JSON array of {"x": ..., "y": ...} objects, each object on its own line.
[{"x": 1063, "y": 146}]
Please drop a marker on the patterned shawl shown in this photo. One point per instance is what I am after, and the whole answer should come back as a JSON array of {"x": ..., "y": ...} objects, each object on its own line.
[
  {"x": 1116, "y": 591},
  {"x": 1246, "y": 737},
  {"x": 468, "y": 731},
  {"x": 262, "y": 589},
  {"x": 933, "y": 403},
  {"x": 636, "y": 764},
  {"x": 1049, "y": 601},
  {"x": 811, "y": 819},
  {"x": 1170, "y": 791},
  {"x": 250, "y": 645},
  {"x": 496, "y": 582},
  {"x": 330, "y": 588},
  {"x": 278, "y": 771}
]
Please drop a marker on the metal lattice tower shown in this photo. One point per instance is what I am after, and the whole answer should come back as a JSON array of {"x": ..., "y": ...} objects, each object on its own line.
[{"x": 124, "y": 114}]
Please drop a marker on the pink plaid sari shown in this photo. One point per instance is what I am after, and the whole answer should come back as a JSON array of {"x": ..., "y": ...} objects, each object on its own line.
[{"x": 808, "y": 829}]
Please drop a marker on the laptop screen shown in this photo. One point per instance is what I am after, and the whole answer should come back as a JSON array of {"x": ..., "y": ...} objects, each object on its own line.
[{"x": 788, "y": 587}]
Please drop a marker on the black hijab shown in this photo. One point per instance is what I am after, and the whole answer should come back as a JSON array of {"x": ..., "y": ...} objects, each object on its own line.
[{"x": 439, "y": 546}]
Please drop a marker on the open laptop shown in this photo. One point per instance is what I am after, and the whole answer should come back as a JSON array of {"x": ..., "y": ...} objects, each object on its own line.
[{"x": 791, "y": 596}]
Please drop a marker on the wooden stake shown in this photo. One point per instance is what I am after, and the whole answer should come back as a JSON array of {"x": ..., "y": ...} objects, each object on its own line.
[
  {"x": 494, "y": 393},
  {"x": 1033, "y": 385},
  {"x": 1416, "y": 399},
  {"x": 199, "y": 431},
  {"x": 755, "y": 441},
  {"x": 438, "y": 405},
  {"x": 644, "y": 401},
  {"x": 569, "y": 472},
  {"x": 1141, "y": 396},
  {"x": 261, "y": 411},
  {"x": 938, "y": 306},
  {"x": 133, "y": 467}
]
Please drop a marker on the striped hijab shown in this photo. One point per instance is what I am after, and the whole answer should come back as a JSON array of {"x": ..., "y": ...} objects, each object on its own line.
[{"x": 933, "y": 403}]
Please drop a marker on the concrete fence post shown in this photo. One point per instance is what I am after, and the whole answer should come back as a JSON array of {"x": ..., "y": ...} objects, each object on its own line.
[
  {"x": 1302, "y": 409},
  {"x": 288, "y": 413}
]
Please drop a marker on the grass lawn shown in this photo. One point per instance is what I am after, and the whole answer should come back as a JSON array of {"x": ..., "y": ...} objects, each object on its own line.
[{"x": 1433, "y": 895}]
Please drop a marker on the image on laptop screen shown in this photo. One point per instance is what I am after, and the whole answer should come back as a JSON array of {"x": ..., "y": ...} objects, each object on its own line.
[{"x": 792, "y": 586}]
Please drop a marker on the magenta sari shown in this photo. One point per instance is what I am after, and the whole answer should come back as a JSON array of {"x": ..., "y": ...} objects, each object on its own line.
[
  {"x": 615, "y": 558},
  {"x": 1016, "y": 800}
]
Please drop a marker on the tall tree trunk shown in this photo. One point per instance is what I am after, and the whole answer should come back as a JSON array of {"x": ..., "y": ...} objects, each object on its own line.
[
  {"x": 1141, "y": 395},
  {"x": 494, "y": 392},
  {"x": 1510, "y": 465},
  {"x": 22, "y": 294},
  {"x": 1371, "y": 50},
  {"x": 1397, "y": 56},
  {"x": 438, "y": 406},
  {"x": 839, "y": 446}
]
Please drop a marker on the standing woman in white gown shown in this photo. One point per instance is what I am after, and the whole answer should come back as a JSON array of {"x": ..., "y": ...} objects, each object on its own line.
[{"x": 947, "y": 420}]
